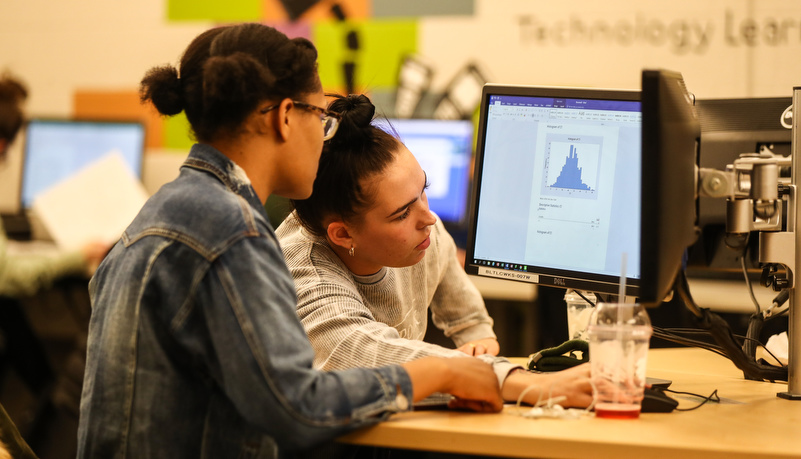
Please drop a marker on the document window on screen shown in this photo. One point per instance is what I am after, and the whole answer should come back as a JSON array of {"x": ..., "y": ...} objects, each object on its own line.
[{"x": 558, "y": 185}]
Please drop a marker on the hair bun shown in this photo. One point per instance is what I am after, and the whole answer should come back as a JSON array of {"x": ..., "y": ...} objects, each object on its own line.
[
  {"x": 162, "y": 86},
  {"x": 357, "y": 113},
  {"x": 356, "y": 109}
]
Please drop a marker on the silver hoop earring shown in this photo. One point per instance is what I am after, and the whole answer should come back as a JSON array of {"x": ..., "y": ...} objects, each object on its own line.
[{"x": 352, "y": 251}]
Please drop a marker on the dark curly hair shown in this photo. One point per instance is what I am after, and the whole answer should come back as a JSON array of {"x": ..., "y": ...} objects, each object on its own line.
[
  {"x": 12, "y": 94},
  {"x": 226, "y": 72},
  {"x": 359, "y": 150}
]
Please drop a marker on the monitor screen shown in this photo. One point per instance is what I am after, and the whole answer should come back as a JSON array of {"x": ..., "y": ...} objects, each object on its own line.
[
  {"x": 556, "y": 198},
  {"x": 57, "y": 149},
  {"x": 444, "y": 149}
]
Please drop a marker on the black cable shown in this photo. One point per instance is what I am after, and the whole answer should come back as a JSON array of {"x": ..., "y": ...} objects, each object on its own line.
[
  {"x": 756, "y": 320},
  {"x": 688, "y": 341},
  {"x": 692, "y": 343},
  {"x": 723, "y": 336},
  {"x": 755, "y": 324},
  {"x": 713, "y": 397},
  {"x": 759, "y": 343},
  {"x": 743, "y": 256},
  {"x": 676, "y": 335},
  {"x": 686, "y": 331},
  {"x": 584, "y": 297},
  {"x": 695, "y": 331}
]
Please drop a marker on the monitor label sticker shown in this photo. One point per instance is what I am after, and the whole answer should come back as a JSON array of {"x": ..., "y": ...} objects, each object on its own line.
[{"x": 514, "y": 275}]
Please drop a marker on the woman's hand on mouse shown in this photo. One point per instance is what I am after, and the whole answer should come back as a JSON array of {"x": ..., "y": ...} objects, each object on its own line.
[{"x": 573, "y": 384}]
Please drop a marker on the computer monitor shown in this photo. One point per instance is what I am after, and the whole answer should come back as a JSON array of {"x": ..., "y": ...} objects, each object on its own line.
[
  {"x": 55, "y": 149},
  {"x": 444, "y": 149},
  {"x": 729, "y": 128},
  {"x": 556, "y": 195},
  {"x": 670, "y": 135}
]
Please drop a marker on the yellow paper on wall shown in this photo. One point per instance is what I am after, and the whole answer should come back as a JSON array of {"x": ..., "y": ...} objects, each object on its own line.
[
  {"x": 177, "y": 132},
  {"x": 380, "y": 46},
  {"x": 213, "y": 10}
]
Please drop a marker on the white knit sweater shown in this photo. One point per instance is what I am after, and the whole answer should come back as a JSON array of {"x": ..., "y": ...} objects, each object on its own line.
[{"x": 371, "y": 321}]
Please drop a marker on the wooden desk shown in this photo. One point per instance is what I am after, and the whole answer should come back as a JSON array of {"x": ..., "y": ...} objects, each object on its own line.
[{"x": 751, "y": 422}]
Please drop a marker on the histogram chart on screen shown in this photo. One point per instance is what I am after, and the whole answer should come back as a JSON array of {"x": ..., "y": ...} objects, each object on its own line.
[
  {"x": 571, "y": 194},
  {"x": 572, "y": 166}
]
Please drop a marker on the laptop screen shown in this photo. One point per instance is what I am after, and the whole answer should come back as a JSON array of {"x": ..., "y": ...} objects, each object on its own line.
[{"x": 57, "y": 149}]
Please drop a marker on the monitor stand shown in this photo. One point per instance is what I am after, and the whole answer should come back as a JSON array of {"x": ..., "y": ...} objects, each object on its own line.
[{"x": 794, "y": 370}]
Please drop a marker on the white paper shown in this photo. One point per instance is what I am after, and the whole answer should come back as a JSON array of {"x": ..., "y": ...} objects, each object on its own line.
[
  {"x": 779, "y": 346},
  {"x": 94, "y": 205}
]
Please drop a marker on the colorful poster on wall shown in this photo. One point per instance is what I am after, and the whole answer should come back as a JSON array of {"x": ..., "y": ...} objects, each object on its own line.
[
  {"x": 315, "y": 10},
  {"x": 212, "y": 10},
  {"x": 368, "y": 52},
  {"x": 177, "y": 132},
  {"x": 119, "y": 105}
]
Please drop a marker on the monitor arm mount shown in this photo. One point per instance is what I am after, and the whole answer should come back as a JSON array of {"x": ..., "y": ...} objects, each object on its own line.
[{"x": 755, "y": 194}]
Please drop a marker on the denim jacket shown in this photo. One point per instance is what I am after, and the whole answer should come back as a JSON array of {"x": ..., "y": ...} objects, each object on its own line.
[{"x": 195, "y": 349}]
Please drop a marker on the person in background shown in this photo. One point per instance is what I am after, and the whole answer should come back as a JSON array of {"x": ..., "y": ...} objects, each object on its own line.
[
  {"x": 194, "y": 347},
  {"x": 369, "y": 259},
  {"x": 26, "y": 274},
  {"x": 12, "y": 95}
]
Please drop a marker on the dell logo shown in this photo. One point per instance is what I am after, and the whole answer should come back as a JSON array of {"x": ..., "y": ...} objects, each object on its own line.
[
  {"x": 787, "y": 118},
  {"x": 558, "y": 281}
]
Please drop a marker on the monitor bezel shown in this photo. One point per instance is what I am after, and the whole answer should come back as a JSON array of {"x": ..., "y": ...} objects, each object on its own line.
[
  {"x": 669, "y": 196},
  {"x": 539, "y": 275},
  {"x": 82, "y": 121}
]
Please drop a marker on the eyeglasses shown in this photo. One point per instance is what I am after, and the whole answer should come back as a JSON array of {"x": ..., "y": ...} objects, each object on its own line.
[{"x": 329, "y": 119}]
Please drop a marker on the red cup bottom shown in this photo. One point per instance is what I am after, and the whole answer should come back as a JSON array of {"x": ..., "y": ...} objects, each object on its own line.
[{"x": 617, "y": 411}]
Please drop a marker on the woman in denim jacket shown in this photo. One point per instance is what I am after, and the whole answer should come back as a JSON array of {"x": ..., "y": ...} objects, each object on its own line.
[{"x": 195, "y": 349}]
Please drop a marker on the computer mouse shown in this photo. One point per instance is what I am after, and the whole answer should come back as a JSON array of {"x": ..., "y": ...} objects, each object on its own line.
[{"x": 657, "y": 401}]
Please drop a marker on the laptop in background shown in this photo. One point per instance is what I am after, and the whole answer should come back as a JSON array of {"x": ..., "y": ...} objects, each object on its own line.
[{"x": 56, "y": 149}]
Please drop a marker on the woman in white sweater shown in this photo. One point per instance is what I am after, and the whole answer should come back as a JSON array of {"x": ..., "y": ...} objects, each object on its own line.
[{"x": 369, "y": 259}]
